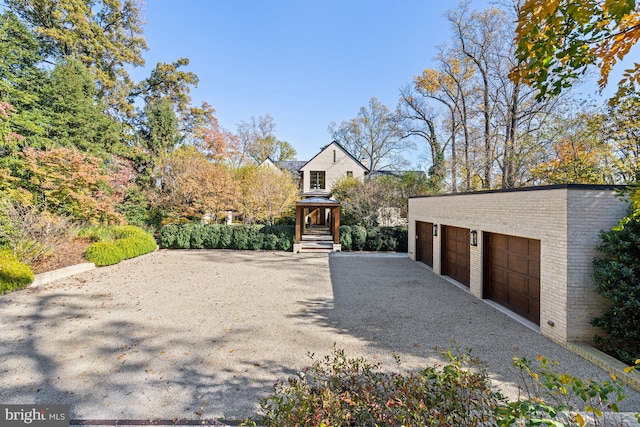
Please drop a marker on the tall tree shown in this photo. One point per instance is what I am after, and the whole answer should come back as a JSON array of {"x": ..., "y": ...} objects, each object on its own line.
[
  {"x": 75, "y": 117},
  {"x": 21, "y": 79},
  {"x": 266, "y": 193},
  {"x": 557, "y": 40},
  {"x": 257, "y": 141},
  {"x": 374, "y": 135},
  {"x": 193, "y": 187},
  {"x": 418, "y": 120},
  {"x": 476, "y": 34},
  {"x": 104, "y": 35}
]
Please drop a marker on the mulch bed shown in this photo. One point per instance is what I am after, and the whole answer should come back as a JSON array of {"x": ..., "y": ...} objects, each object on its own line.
[{"x": 70, "y": 253}]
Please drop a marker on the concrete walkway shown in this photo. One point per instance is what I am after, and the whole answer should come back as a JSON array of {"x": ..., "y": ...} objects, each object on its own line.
[{"x": 204, "y": 334}]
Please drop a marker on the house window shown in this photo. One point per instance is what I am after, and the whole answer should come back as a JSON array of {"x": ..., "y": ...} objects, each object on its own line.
[
  {"x": 317, "y": 180},
  {"x": 350, "y": 174},
  {"x": 334, "y": 156}
]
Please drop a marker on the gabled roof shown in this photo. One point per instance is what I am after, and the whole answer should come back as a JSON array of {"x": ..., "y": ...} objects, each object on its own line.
[
  {"x": 337, "y": 144},
  {"x": 296, "y": 166},
  {"x": 293, "y": 166}
]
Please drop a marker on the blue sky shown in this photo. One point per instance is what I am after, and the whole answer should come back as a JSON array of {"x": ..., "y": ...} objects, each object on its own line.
[{"x": 304, "y": 62}]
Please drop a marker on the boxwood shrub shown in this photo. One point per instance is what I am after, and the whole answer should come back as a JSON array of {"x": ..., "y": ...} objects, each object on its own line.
[
  {"x": 13, "y": 273},
  {"x": 123, "y": 243},
  {"x": 345, "y": 237},
  {"x": 358, "y": 237},
  {"x": 222, "y": 236},
  {"x": 276, "y": 237}
]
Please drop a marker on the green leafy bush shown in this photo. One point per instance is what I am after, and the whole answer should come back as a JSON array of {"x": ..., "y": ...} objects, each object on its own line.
[
  {"x": 198, "y": 236},
  {"x": 374, "y": 240},
  {"x": 226, "y": 237},
  {"x": 219, "y": 236},
  {"x": 345, "y": 237},
  {"x": 240, "y": 238},
  {"x": 358, "y": 237},
  {"x": 617, "y": 278},
  {"x": 340, "y": 391},
  {"x": 255, "y": 239},
  {"x": 13, "y": 274},
  {"x": 270, "y": 242},
  {"x": 212, "y": 236},
  {"x": 122, "y": 242},
  {"x": 104, "y": 253}
]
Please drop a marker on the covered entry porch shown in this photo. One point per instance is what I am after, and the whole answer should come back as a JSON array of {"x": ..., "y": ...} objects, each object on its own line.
[{"x": 317, "y": 225}]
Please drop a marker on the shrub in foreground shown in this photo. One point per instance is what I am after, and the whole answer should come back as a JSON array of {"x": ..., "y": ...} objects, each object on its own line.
[
  {"x": 13, "y": 274},
  {"x": 341, "y": 391}
]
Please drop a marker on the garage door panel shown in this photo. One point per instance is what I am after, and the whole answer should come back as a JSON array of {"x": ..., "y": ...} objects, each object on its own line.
[
  {"x": 512, "y": 274},
  {"x": 519, "y": 246},
  {"x": 518, "y": 283},
  {"x": 455, "y": 249},
  {"x": 424, "y": 242},
  {"x": 534, "y": 269},
  {"x": 517, "y": 263}
]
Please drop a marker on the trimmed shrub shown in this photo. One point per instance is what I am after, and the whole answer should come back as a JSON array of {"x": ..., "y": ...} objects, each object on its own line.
[
  {"x": 374, "y": 240},
  {"x": 183, "y": 237},
  {"x": 284, "y": 237},
  {"x": 126, "y": 241},
  {"x": 345, "y": 237},
  {"x": 104, "y": 253},
  {"x": 270, "y": 242},
  {"x": 13, "y": 274},
  {"x": 402, "y": 235},
  {"x": 255, "y": 239},
  {"x": 226, "y": 236},
  {"x": 212, "y": 236},
  {"x": 358, "y": 237},
  {"x": 240, "y": 238},
  {"x": 168, "y": 235},
  {"x": 198, "y": 236},
  {"x": 388, "y": 239}
]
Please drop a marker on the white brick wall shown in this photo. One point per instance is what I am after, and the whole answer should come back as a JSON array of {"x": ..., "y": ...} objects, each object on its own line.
[
  {"x": 324, "y": 161},
  {"x": 566, "y": 219}
]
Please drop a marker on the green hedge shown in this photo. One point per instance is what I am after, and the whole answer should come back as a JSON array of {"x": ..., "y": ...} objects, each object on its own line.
[
  {"x": 219, "y": 236},
  {"x": 120, "y": 243},
  {"x": 276, "y": 237},
  {"x": 13, "y": 273}
]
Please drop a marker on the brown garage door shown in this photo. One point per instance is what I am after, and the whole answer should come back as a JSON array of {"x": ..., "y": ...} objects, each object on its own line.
[
  {"x": 455, "y": 253},
  {"x": 424, "y": 242},
  {"x": 512, "y": 274}
]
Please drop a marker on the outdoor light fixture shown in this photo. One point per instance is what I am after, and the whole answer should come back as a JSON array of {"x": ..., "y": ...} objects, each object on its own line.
[
  {"x": 474, "y": 238},
  {"x": 435, "y": 229}
]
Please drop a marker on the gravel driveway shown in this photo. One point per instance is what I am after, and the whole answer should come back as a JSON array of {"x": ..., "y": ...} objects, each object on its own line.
[{"x": 204, "y": 334}]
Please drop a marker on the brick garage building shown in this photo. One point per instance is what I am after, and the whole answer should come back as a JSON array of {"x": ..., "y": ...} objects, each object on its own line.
[{"x": 529, "y": 250}]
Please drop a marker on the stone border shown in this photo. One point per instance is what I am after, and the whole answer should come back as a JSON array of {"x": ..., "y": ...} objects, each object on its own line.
[
  {"x": 61, "y": 273},
  {"x": 607, "y": 363}
]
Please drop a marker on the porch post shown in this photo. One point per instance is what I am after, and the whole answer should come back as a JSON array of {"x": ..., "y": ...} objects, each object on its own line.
[
  {"x": 336, "y": 224},
  {"x": 299, "y": 223}
]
